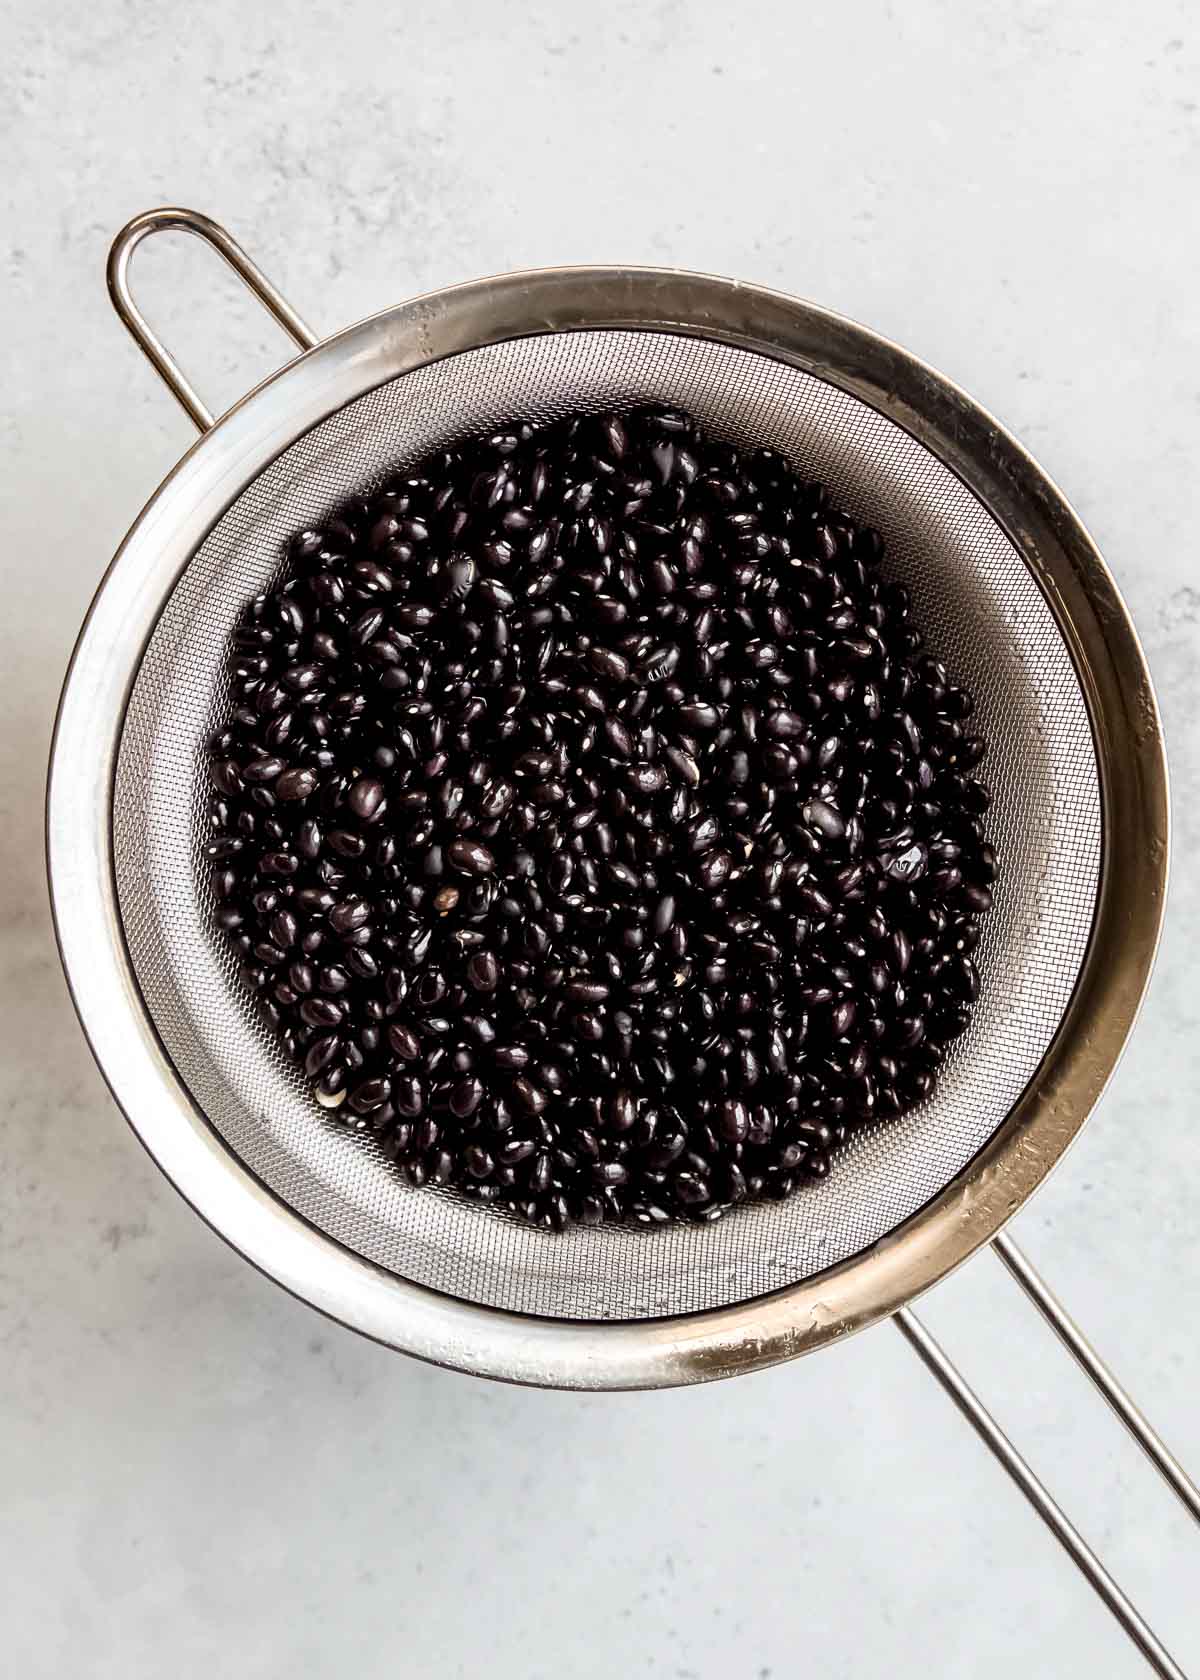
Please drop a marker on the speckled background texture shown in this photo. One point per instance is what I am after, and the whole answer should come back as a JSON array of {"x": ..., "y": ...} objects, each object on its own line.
[{"x": 198, "y": 1474}]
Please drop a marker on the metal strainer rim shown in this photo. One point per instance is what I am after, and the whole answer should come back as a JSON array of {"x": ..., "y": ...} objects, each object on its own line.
[{"x": 1112, "y": 674}]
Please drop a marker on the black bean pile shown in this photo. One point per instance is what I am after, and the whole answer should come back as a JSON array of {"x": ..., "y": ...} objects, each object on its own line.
[{"x": 594, "y": 827}]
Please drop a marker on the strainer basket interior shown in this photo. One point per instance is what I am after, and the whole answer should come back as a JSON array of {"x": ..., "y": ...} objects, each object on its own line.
[{"x": 983, "y": 614}]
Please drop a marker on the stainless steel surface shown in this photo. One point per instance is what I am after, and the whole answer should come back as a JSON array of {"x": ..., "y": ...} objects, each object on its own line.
[
  {"x": 1006, "y": 580},
  {"x": 144, "y": 336},
  {"x": 1089, "y": 1361},
  {"x": 1055, "y": 1519},
  {"x": 982, "y": 610}
]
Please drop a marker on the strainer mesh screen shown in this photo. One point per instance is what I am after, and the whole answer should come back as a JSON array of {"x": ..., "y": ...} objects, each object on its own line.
[{"x": 982, "y": 613}]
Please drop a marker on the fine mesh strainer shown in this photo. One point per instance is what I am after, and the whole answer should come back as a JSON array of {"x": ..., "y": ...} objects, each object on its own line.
[{"x": 1012, "y": 595}]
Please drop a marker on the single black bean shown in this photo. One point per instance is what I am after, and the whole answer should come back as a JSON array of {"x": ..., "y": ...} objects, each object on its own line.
[
  {"x": 370, "y": 1094},
  {"x": 297, "y": 783},
  {"x": 647, "y": 778},
  {"x": 404, "y": 1042},
  {"x": 784, "y": 725},
  {"x": 364, "y": 797},
  {"x": 259, "y": 771},
  {"x": 734, "y": 1124},
  {"x": 908, "y": 865},
  {"x": 825, "y": 818},
  {"x": 702, "y": 833},
  {"x": 460, "y": 576},
  {"x": 465, "y": 1098},
  {"x": 621, "y": 1112},
  {"x": 608, "y": 664},
  {"x": 320, "y": 1053},
  {"x": 321, "y": 1012},
  {"x": 483, "y": 971},
  {"x": 684, "y": 765},
  {"x": 472, "y": 857},
  {"x": 530, "y": 1096},
  {"x": 714, "y": 869}
]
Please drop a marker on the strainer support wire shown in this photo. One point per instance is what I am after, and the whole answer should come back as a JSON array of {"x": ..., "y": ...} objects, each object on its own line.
[
  {"x": 1052, "y": 1514},
  {"x": 1097, "y": 1373}
]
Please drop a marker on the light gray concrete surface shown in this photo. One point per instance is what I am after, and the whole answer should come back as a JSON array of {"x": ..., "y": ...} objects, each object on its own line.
[{"x": 199, "y": 1475}]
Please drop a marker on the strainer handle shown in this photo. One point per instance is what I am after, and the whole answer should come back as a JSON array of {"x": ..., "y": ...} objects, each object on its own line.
[
  {"x": 1098, "y": 1374},
  {"x": 144, "y": 336},
  {"x": 934, "y": 1358},
  {"x": 1051, "y": 1513}
]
